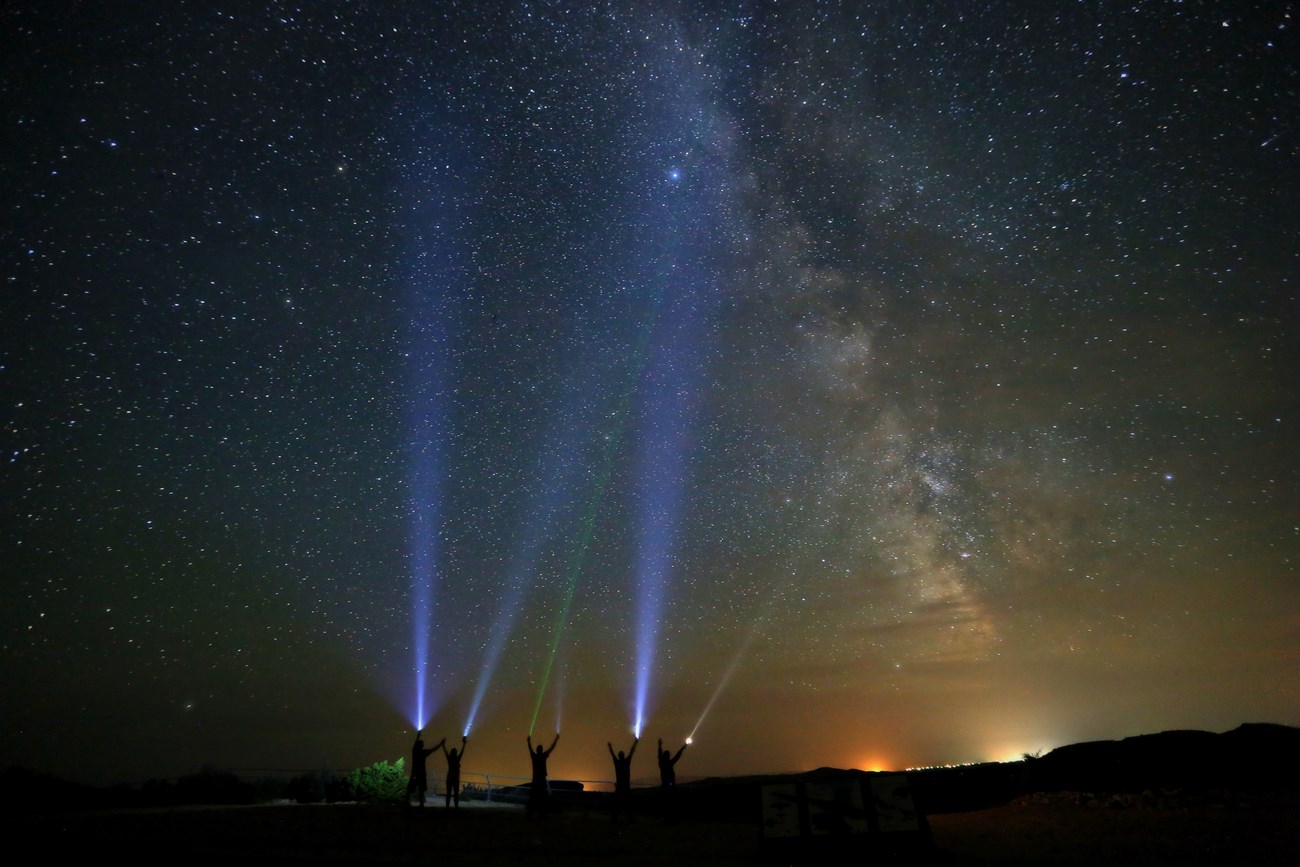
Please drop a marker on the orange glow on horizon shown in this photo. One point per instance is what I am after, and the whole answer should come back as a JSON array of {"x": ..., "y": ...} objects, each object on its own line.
[{"x": 874, "y": 763}]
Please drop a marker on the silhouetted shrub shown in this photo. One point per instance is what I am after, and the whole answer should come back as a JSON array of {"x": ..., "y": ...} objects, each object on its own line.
[
  {"x": 210, "y": 786},
  {"x": 22, "y": 789},
  {"x": 316, "y": 787},
  {"x": 267, "y": 789},
  {"x": 157, "y": 793}
]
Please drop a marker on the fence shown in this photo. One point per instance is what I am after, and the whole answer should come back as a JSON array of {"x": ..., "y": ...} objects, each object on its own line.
[
  {"x": 480, "y": 786},
  {"x": 509, "y": 788}
]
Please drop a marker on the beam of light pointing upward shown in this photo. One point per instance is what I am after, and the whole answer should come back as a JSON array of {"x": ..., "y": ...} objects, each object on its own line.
[
  {"x": 426, "y": 455},
  {"x": 688, "y": 236},
  {"x": 754, "y": 631},
  {"x": 559, "y": 462},
  {"x": 433, "y": 279},
  {"x": 536, "y": 531},
  {"x": 560, "y": 695},
  {"x": 667, "y": 421},
  {"x": 660, "y": 491},
  {"x": 680, "y": 230},
  {"x": 613, "y": 438}
]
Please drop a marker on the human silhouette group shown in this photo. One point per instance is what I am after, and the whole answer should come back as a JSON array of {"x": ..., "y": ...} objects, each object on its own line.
[
  {"x": 419, "y": 783},
  {"x": 539, "y": 789}
]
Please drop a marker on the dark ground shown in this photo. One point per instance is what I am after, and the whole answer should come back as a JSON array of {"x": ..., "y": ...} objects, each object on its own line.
[
  {"x": 1173, "y": 798},
  {"x": 1247, "y": 830}
]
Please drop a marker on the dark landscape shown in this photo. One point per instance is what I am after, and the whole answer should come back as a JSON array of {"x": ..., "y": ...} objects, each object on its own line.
[
  {"x": 1182, "y": 797},
  {"x": 855, "y": 401}
]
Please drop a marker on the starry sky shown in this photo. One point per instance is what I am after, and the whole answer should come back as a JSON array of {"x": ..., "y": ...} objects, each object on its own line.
[{"x": 916, "y": 383}]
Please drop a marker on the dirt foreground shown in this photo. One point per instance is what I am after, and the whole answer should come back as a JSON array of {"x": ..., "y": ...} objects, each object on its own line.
[{"x": 1230, "y": 834}]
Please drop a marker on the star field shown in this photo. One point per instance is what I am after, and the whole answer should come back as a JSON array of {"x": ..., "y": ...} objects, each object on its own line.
[{"x": 950, "y": 353}]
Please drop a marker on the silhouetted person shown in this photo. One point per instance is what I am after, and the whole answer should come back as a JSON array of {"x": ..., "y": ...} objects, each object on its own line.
[
  {"x": 453, "y": 771},
  {"x": 668, "y": 779},
  {"x": 622, "y": 802},
  {"x": 419, "y": 781},
  {"x": 537, "y": 794}
]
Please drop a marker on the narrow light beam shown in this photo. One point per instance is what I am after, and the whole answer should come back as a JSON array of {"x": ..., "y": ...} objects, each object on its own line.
[
  {"x": 732, "y": 668},
  {"x": 558, "y": 462},
  {"x": 435, "y": 219},
  {"x": 595, "y": 500},
  {"x": 426, "y": 467}
]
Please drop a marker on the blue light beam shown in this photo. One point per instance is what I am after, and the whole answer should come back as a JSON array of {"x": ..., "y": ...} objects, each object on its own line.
[
  {"x": 558, "y": 463},
  {"x": 435, "y": 276},
  {"x": 667, "y": 420},
  {"x": 426, "y": 447},
  {"x": 688, "y": 241}
]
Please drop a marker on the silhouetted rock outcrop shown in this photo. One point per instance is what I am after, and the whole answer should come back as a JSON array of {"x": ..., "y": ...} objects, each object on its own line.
[
  {"x": 1254, "y": 756},
  {"x": 1257, "y": 755}
]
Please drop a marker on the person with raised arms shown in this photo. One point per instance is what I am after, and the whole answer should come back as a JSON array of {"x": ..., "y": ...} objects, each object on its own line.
[
  {"x": 537, "y": 795},
  {"x": 453, "y": 770},
  {"x": 622, "y": 782},
  {"x": 419, "y": 781}
]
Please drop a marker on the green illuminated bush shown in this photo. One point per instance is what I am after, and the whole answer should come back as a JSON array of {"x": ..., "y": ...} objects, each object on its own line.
[{"x": 382, "y": 781}]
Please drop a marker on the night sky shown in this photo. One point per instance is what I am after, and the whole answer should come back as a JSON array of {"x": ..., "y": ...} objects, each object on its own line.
[{"x": 920, "y": 383}]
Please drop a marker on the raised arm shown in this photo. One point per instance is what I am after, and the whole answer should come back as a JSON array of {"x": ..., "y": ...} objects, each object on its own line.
[
  {"x": 464, "y": 739},
  {"x": 553, "y": 743},
  {"x": 610, "y": 744},
  {"x": 679, "y": 754},
  {"x": 632, "y": 752},
  {"x": 530, "y": 745}
]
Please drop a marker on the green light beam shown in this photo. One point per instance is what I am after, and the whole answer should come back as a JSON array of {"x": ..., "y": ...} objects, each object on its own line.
[{"x": 579, "y": 556}]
